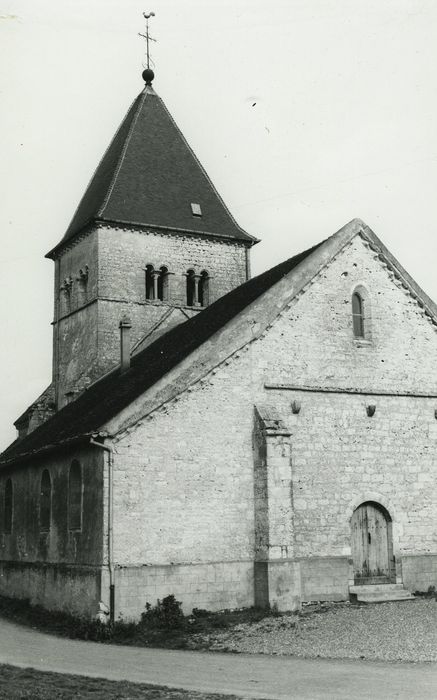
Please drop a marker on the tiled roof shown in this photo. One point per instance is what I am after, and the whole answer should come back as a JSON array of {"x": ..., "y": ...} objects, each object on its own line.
[
  {"x": 114, "y": 392},
  {"x": 149, "y": 176}
]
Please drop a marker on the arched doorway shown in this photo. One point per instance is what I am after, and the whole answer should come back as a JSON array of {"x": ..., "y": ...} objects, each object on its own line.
[{"x": 372, "y": 547}]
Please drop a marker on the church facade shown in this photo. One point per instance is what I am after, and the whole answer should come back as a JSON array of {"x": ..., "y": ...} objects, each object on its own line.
[{"x": 231, "y": 441}]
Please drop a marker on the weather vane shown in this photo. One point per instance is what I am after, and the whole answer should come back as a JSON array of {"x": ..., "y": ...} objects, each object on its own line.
[{"x": 148, "y": 73}]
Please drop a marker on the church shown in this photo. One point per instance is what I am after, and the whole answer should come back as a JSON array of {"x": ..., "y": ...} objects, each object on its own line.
[{"x": 233, "y": 441}]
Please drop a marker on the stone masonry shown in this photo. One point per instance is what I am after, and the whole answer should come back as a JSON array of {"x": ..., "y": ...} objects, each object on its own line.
[
  {"x": 101, "y": 278},
  {"x": 236, "y": 475},
  {"x": 185, "y": 478}
]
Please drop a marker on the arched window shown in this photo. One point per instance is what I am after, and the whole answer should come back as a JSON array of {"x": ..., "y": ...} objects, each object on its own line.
[
  {"x": 204, "y": 288},
  {"x": 75, "y": 496},
  {"x": 358, "y": 315},
  {"x": 8, "y": 507},
  {"x": 45, "y": 502},
  {"x": 150, "y": 285},
  {"x": 191, "y": 288},
  {"x": 163, "y": 283}
]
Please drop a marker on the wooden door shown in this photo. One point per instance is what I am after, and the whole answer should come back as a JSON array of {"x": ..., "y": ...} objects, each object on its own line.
[{"x": 370, "y": 544}]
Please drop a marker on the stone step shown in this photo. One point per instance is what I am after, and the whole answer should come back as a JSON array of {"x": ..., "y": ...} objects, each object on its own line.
[
  {"x": 384, "y": 599},
  {"x": 380, "y": 593},
  {"x": 385, "y": 594},
  {"x": 366, "y": 588}
]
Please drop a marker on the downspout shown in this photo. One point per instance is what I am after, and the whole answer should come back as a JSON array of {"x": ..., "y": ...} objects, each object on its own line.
[{"x": 110, "y": 451}]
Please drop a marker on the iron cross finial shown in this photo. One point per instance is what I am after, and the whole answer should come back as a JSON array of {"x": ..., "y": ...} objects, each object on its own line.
[{"x": 148, "y": 38}]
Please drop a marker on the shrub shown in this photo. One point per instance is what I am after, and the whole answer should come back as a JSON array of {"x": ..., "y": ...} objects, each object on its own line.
[{"x": 167, "y": 613}]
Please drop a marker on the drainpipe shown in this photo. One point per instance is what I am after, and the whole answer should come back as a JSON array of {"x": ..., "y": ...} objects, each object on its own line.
[{"x": 110, "y": 451}]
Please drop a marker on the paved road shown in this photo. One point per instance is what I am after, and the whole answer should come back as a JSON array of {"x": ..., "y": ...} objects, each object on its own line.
[{"x": 250, "y": 676}]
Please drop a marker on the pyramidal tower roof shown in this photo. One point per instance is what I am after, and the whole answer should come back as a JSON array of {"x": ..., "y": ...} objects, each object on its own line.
[{"x": 149, "y": 176}]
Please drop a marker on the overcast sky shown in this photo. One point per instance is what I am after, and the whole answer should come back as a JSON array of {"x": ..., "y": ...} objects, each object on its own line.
[{"x": 305, "y": 113}]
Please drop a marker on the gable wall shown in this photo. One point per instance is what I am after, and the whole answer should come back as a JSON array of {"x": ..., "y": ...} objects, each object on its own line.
[
  {"x": 340, "y": 457},
  {"x": 317, "y": 345}
]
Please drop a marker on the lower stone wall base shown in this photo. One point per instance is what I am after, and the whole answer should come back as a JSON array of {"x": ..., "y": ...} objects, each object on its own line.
[
  {"x": 208, "y": 586},
  {"x": 419, "y": 572},
  {"x": 287, "y": 583},
  {"x": 73, "y": 589},
  {"x": 283, "y": 584},
  {"x": 325, "y": 578}
]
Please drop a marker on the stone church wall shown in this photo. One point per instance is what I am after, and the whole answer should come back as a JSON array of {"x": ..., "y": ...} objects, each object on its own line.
[
  {"x": 341, "y": 457},
  {"x": 123, "y": 256},
  {"x": 189, "y": 518},
  {"x": 184, "y": 484},
  {"x": 86, "y": 339},
  {"x": 60, "y": 568},
  {"x": 183, "y": 500},
  {"x": 76, "y": 361}
]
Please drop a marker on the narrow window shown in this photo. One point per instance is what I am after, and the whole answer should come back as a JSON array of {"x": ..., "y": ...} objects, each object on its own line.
[
  {"x": 358, "y": 315},
  {"x": 75, "y": 496},
  {"x": 191, "y": 288},
  {"x": 45, "y": 502},
  {"x": 163, "y": 283},
  {"x": 8, "y": 507},
  {"x": 150, "y": 286},
  {"x": 204, "y": 288}
]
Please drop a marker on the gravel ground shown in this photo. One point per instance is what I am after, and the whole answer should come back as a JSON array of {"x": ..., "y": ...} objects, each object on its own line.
[{"x": 398, "y": 631}]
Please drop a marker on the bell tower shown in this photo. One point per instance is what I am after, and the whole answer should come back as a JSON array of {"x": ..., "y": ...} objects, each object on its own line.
[{"x": 151, "y": 239}]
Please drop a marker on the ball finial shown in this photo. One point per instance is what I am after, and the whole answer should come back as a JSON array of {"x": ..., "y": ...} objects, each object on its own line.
[{"x": 148, "y": 76}]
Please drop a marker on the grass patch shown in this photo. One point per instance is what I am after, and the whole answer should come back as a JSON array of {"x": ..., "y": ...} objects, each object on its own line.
[
  {"x": 29, "y": 684},
  {"x": 163, "y": 625}
]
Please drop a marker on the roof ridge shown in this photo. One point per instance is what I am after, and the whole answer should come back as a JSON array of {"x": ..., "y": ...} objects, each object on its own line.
[{"x": 141, "y": 99}]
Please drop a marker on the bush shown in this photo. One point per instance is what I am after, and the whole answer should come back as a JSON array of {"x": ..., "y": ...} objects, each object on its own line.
[{"x": 167, "y": 613}]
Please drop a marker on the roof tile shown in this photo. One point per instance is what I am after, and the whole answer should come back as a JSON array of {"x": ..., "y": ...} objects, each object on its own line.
[{"x": 149, "y": 176}]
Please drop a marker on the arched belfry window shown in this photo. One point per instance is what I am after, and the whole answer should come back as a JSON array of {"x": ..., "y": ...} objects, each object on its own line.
[
  {"x": 358, "y": 315},
  {"x": 204, "y": 288},
  {"x": 150, "y": 282},
  {"x": 45, "y": 502},
  {"x": 191, "y": 288},
  {"x": 157, "y": 283},
  {"x": 8, "y": 507},
  {"x": 75, "y": 496},
  {"x": 163, "y": 283}
]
